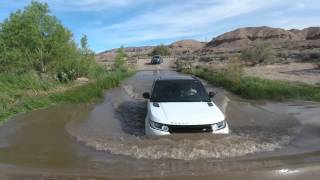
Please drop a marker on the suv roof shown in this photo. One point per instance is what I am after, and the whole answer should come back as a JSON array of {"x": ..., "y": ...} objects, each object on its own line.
[{"x": 175, "y": 77}]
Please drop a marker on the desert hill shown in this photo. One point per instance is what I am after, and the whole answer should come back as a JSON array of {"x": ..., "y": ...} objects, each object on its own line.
[{"x": 289, "y": 45}]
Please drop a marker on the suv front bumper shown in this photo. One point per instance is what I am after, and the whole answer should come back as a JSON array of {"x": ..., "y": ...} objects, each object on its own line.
[{"x": 155, "y": 132}]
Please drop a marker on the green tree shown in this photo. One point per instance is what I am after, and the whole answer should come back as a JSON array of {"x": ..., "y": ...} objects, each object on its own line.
[
  {"x": 84, "y": 42},
  {"x": 34, "y": 39},
  {"x": 161, "y": 50},
  {"x": 120, "y": 63},
  {"x": 87, "y": 59},
  {"x": 22, "y": 33},
  {"x": 2, "y": 55}
]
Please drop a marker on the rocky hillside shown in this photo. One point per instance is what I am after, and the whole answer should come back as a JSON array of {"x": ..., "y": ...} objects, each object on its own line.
[
  {"x": 289, "y": 45},
  {"x": 186, "y": 46},
  {"x": 179, "y": 47},
  {"x": 131, "y": 51},
  {"x": 244, "y": 37},
  {"x": 311, "y": 33}
]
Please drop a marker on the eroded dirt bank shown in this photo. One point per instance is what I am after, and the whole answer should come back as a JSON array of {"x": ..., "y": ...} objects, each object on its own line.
[{"x": 106, "y": 139}]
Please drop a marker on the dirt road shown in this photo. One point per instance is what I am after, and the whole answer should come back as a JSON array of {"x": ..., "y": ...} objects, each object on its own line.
[{"x": 144, "y": 64}]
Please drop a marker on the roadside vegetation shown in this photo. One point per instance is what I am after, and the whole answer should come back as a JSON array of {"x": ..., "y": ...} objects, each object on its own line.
[
  {"x": 41, "y": 64},
  {"x": 261, "y": 53},
  {"x": 233, "y": 79},
  {"x": 120, "y": 61},
  {"x": 161, "y": 50},
  {"x": 315, "y": 55}
]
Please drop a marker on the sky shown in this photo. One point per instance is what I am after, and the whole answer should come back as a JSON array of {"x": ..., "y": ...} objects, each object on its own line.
[{"x": 112, "y": 23}]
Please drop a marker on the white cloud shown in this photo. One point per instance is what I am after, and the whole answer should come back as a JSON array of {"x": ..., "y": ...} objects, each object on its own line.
[
  {"x": 89, "y": 5},
  {"x": 191, "y": 19},
  {"x": 295, "y": 22},
  {"x": 160, "y": 20},
  {"x": 73, "y": 5},
  {"x": 167, "y": 19}
]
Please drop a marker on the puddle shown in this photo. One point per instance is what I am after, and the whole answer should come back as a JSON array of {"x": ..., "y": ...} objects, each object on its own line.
[{"x": 109, "y": 136}]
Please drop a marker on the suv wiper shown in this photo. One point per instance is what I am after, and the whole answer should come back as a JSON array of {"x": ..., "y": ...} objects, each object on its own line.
[
  {"x": 186, "y": 100},
  {"x": 181, "y": 100}
]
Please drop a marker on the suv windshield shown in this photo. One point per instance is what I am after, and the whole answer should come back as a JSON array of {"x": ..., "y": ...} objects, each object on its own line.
[{"x": 179, "y": 91}]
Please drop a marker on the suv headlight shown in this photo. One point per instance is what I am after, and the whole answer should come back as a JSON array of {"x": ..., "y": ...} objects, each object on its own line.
[
  {"x": 158, "y": 126},
  {"x": 218, "y": 126}
]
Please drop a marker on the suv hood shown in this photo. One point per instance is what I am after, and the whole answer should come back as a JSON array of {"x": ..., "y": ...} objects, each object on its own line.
[{"x": 186, "y": 113}]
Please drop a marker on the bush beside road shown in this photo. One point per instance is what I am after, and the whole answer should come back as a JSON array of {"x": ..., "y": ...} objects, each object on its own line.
[{"x": 234, "y": 80}]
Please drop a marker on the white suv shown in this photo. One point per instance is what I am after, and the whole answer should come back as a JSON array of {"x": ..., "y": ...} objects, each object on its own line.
[{"x": 180, "y": 104}]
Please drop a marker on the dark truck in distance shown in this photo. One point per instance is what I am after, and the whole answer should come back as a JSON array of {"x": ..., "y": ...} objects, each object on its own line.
[{"x": 156, "y": 59}]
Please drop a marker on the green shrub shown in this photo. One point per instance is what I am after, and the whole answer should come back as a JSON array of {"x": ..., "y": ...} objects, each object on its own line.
[
  {"x": 161, "y": 50},
  {"x": 314, "y": 54},
  {"x": 185, "y": 63},
  {"x": 91, "y": 91},
  {"x": 262, "y": 52},
  {"x": 14, "y": 97},
  {"x": 257, "y": 88},
  {"x": 234, "y": 72},
  {"x": 184, "y": 66},
  {"x": 120, "y": 62},
  {"x": 205, "y": 59}
]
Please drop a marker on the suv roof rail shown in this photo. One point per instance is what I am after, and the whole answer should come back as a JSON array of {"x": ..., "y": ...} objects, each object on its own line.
[{"x": 182, "y": 77}]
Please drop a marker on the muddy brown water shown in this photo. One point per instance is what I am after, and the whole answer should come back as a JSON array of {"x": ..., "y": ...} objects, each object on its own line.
[{"x": 106, "y": 139}]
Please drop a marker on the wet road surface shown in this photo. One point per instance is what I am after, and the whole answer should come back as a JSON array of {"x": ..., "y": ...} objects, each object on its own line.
[{"x": 106, "y": 139}]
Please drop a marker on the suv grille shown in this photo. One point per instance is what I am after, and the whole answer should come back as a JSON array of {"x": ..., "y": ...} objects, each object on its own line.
[{"x": 189, "y": 128}]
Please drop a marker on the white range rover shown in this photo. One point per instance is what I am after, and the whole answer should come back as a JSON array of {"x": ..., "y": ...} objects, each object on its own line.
[{"x": 181, "y": 104}]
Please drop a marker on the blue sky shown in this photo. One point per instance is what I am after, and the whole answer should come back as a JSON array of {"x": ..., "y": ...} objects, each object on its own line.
[{"x": 112, "y": 23}]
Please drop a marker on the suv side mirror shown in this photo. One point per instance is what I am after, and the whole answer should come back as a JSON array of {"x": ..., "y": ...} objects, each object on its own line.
[
  {"x": 146, "y": 95},
  {"x": 211, "y": 94}
]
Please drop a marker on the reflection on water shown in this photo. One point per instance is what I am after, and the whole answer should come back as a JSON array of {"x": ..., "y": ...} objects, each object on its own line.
[{"x": 40, "y": 137}]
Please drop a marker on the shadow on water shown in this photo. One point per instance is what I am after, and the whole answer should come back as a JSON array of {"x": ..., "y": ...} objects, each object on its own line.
[
  {"x": 149, "y": 63},
  {"x": 131, "y": 115}
]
